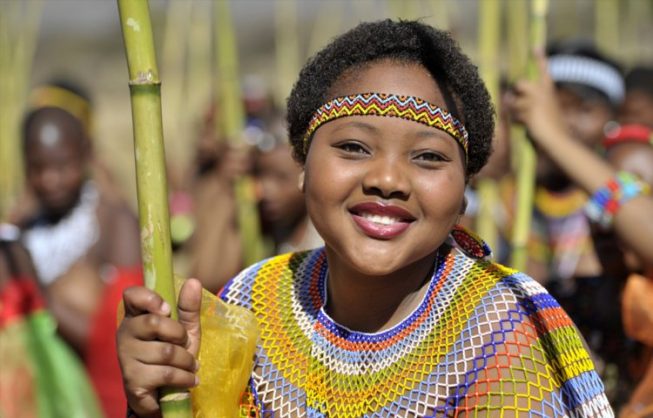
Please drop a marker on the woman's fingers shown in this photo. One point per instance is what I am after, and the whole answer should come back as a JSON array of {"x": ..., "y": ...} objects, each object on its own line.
[
  {"x": 150, "y": 327},
  {"x": 142, "y": 392},
  {"x": 154, "y": 350},
  {"x": 164, "y": 354},
  {"x": 149, "y": 365},
  {"x": 189, "y": 304},
  {"x": 153, "y": 377},
  {"x": 139, "y": 300}
]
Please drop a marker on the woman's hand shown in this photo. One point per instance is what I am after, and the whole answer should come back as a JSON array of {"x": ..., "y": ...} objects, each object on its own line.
[
  {"x": 534, "y": 104},
  {"x": 156, "y": 351}
]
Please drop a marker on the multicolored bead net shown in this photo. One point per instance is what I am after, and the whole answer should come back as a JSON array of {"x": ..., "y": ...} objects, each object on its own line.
[
  {"x": 381, "y": 104},
  {"x": 484, "y": 341},
  {"x": 607, "y": 200}
]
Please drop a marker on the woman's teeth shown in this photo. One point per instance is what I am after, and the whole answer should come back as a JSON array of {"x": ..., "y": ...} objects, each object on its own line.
[{"x": 379, "y": 219}]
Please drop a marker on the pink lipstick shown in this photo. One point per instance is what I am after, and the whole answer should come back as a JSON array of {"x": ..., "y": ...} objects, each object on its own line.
[{"x": 381, "y": 221}]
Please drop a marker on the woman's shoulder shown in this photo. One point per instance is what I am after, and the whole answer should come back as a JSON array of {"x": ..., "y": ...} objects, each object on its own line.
[{"x": 267, "y": 275}]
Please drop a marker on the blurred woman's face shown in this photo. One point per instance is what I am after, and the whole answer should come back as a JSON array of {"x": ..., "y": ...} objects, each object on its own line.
[
  {"x": 637, "y": 108},
  {"x": 281, "y": 202},
  {"x": 56, "y": 166},
  {"x": 585, "y": 118}
]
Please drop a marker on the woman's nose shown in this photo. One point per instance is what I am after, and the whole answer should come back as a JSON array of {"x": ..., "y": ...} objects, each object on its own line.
[
  {"x": 387, "y": 178},
  {"x": 50, "y": 178}
]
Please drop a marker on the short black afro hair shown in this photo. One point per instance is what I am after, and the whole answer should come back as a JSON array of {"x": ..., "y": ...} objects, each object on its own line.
[{"x": 403, "y": 41}]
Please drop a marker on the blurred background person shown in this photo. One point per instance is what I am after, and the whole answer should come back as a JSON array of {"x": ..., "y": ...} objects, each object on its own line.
[
  {"x": 622, "y": 219},
  {"x": 285, "y": 224},
  {"x": 81, "y": 234},
  {"x": 40, "y": 375},
  {"x": 212, "y": 251},
  {"x": 638, "y": 103},
  {"x": 281, "y": 202}
]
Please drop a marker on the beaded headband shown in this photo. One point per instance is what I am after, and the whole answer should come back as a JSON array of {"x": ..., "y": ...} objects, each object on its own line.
[
  {"x": 64, "y": 99},
  {"x": 589, "y": 72},
  {"x": 628, "y": 133},
  {"x": 392, "y": 105}
]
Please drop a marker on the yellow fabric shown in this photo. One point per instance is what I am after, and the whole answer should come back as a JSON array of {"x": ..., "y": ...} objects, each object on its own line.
[{"x": 229, "y": 338}]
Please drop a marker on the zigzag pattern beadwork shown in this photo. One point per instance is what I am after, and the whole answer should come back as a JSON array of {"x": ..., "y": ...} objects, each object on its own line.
[
  {"x": 484, "y": 341},
  {"x": 381, "y": 104}
]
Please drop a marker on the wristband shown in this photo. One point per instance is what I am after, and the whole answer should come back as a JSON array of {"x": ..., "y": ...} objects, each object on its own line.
[{"x": 605, "y": 203}]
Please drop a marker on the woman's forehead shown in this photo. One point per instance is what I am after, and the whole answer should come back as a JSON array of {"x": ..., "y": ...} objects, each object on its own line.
[{"x": 51, "y": 136}]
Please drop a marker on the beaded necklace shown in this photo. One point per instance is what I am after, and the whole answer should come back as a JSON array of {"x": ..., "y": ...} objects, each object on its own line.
[
  {"x": 56, "y": 247},
  {"x": 483, "y": 338}
]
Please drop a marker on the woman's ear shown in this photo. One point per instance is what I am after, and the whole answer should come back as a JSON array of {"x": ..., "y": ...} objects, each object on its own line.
[{"x": 300, "y": 181}]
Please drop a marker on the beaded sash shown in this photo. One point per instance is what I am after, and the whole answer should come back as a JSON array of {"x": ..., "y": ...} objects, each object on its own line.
[{"x": 484, "y": 340}]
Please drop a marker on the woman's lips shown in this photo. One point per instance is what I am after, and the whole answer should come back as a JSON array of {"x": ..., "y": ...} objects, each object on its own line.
[{"x": 381, "y": 221}]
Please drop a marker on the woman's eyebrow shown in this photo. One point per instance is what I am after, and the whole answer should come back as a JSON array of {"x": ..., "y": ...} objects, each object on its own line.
[
  {"x": 431, "y": 133},
  {"x": 357, "y": 124}
]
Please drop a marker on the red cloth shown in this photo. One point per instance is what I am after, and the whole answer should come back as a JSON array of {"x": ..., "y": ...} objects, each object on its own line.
[
  {"x": 101, "y": 355},
  {"x": 19, "y": 297}
]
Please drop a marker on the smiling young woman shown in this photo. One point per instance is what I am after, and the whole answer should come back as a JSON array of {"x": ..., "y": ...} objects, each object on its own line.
[{"x": 401, "y": 313}]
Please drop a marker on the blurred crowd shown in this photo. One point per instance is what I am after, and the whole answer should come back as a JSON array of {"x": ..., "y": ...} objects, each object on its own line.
[{"x": 71, "y": 244}]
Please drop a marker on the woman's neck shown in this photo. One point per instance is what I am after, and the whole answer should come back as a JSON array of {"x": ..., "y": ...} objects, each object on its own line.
[{"x": 375, "y": 303}]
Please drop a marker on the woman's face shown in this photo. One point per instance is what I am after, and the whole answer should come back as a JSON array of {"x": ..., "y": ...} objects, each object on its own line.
[
  {"x": 281, "y": 202},
  {"x": 637, "y": 108},
  {"x": 56, "y": 165},
  {"x": 585, "y": 118},
  {"x": 384, "y": 192}
]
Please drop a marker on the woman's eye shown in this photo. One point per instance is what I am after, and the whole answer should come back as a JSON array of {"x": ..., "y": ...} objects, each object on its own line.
[
  {"x": 352, "y": 148},
  {"x": 429, "y": 157}
]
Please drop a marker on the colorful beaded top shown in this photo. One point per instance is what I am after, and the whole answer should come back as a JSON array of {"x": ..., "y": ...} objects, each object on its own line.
[{"x": 484, "y": 340}]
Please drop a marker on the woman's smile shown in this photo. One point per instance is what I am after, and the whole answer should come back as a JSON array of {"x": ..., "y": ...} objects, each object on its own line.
[{"x": 380, "y": 220}]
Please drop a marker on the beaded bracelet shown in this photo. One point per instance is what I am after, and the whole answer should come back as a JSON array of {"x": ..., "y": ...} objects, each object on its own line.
[{"x": 607, "y": 200}]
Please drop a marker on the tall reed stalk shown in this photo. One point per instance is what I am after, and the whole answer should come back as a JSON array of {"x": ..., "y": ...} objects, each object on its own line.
[
  {"x": 637, "y": 27},
  {"x": 176, "y": 114},
  {"x": 19, "y": 29},
  {"x": 606, "y": 25},
  {"x": 145, "y": 91},
  {"x": 200, "y": 61},
  {"x": 488, "y": 39},
  {"x": 526, "y": 153},
  {"x": 287, "y": 48},
  {"x": 231, "y": 123}
]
